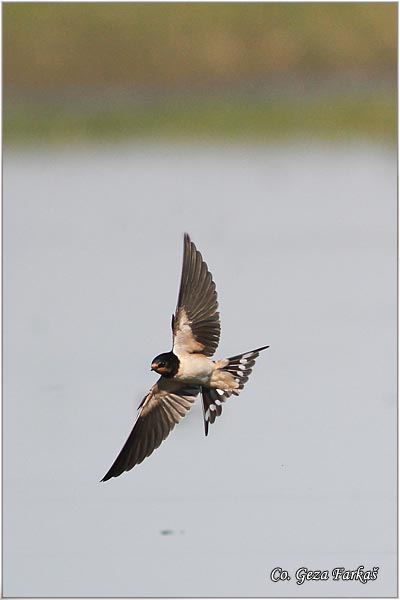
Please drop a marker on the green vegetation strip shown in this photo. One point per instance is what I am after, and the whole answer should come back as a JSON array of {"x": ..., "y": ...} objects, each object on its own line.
[{"x": 373, "y": 117}]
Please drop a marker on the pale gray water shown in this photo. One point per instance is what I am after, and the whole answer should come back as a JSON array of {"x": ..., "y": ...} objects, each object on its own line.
[{"x": 300, "y": 470}]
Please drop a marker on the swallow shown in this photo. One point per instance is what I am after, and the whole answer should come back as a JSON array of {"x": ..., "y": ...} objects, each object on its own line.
[{"x": 188, "y": 369}]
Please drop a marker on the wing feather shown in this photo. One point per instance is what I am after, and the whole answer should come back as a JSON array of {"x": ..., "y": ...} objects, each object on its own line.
[
  {"x": 196, "y": 326},
  {"x": 165, "y": 405}
]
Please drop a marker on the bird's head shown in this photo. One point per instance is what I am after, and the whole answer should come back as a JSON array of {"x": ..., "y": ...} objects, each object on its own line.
[{"x": 166, "y": 364}]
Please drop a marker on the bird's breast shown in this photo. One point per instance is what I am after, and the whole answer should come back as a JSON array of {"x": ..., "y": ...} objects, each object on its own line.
[{"x": 195, "y": 368}]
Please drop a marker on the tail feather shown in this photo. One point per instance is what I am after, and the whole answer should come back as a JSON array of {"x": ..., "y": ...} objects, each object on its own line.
[
  {"x": 240, "y": 366},
  {"x": 212, "y": 408}
]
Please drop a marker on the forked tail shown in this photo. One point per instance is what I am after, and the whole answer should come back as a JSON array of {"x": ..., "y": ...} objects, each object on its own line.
[{"x": 240, "y": 366}]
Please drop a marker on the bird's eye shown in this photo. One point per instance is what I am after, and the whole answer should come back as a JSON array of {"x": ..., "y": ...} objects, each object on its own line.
[{"x": 161, "y": 364}]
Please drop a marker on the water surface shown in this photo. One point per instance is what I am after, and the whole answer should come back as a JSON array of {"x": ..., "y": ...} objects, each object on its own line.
[{"x": 300, "y": 470}]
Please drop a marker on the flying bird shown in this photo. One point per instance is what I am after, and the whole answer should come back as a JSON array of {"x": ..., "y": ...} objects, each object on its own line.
[{"x": 188, "y": 368}]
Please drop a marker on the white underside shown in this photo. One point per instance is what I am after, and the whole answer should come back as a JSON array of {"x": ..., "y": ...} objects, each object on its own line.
[{"x": 195, "y": 368}]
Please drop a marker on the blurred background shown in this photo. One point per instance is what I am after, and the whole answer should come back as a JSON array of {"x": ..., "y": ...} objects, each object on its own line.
[
  {"x": 77, "y": 71},
  {"x": 268, "y": 132}
]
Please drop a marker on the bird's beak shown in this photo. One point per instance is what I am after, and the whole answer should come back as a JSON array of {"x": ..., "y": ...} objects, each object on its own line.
[{"x": 153, "y": 366}]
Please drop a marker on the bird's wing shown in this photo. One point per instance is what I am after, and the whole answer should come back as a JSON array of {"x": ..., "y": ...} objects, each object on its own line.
[
  {"x": 196, "y": 327},
  {"x": 165, "y": 405}
]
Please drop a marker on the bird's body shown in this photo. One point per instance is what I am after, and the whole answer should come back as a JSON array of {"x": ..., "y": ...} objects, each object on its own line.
[
  {"x": 195, "y": 368},
  {"x": 187, "y": 369}
]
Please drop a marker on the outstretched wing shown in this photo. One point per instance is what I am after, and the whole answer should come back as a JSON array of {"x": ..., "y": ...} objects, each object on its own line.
[
  {"x": 164, "y": 406},
  {"x": 196, "y": 326}
]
